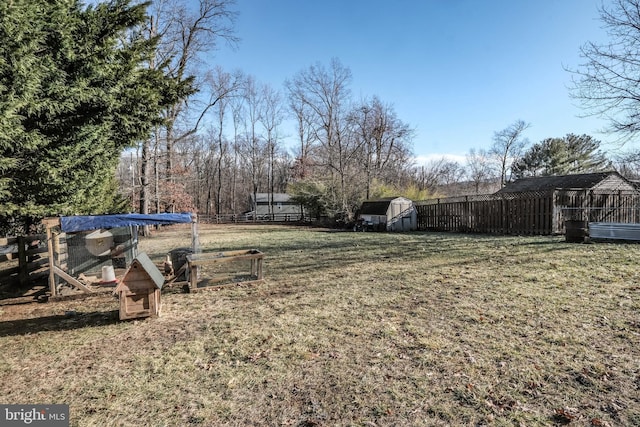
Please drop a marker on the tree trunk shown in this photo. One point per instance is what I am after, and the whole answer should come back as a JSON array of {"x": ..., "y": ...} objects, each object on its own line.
[{"x": 144, "y": 184}]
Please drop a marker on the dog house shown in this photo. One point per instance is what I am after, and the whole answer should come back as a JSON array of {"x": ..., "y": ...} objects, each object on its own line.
[{"x": 139, "y": 290}]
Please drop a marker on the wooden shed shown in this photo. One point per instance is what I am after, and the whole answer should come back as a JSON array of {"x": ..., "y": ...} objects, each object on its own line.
[
  {"x": 139, "y": 289},
  {"x": 389, "y": 214}
]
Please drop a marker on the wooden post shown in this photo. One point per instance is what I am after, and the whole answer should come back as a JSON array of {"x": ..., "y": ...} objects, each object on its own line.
[
  {"x": 23, "y": 266},
  {"x": 555, "y": 227},
  {"x": 195, "y": 238},
  {"x": 193, "y": 276},
  {"x": 195, "y": 247},
  {"x": 259, "y": 273},
  {"x": 588, "y": 203},
  {"x": 52, "y": 276}
]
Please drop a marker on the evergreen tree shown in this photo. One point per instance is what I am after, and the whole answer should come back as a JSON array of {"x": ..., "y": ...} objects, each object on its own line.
[
  {"x": 74, "y": 92},
  {"x": 562, "y": 156}
]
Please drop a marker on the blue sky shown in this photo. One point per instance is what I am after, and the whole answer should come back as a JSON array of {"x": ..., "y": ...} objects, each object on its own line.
[{"x": 455, "y": 70}]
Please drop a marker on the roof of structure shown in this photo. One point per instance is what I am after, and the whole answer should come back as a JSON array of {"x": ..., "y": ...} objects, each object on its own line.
[
  {"x": 70, "y": 224},
  {"x": 377, "y": 207},
  {"x": 151, "y": 269},
  {"x": 542, "y": 183},
  {"x": 277, "y": 197}
]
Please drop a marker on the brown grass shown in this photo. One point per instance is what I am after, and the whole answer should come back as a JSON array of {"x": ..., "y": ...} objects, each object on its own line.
[{"x": 366, "y": 329}]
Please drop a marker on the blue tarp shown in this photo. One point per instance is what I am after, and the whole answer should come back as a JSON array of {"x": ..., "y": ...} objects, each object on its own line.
[{"x": 71, "y": 224}]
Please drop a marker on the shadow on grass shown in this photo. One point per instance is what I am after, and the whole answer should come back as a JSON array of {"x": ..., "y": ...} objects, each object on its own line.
[
  {"x": 66, "y": 322},
  {"x": 11, "y": 293},
  {"x": 334, "y": 249}
]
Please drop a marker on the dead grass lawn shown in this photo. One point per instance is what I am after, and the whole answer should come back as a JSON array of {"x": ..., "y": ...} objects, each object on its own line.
[{"x": 364, "y": 329}]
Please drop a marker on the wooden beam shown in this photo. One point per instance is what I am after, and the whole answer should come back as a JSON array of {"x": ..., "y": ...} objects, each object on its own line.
[
  {"x": 52, "y": 277},
  {"x": 69, "y": 279},
  {"x": 224, "y": 285},
  {"x": 51, "y": 222}
]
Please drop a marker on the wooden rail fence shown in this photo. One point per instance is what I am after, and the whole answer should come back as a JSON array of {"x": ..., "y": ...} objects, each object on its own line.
[
  {"x": 246, "y": 218},
  {"x": 21, "y": 260}
]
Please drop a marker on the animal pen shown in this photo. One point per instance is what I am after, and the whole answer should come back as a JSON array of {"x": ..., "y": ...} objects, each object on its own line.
[
  {"x": 81, "y": 245},
  {"x": 253, "y": 257},
  {"x": 532, "y": 213}
]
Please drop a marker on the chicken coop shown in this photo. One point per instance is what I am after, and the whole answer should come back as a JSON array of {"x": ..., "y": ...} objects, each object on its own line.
[
  {"x": 140, "y": 288},
  {"x": 84, "y": 245}
]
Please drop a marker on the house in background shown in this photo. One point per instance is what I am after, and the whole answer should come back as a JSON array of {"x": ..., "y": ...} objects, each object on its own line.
[
  {"x": 389, "y": 214},
  {"x": 274, "y": 207}
]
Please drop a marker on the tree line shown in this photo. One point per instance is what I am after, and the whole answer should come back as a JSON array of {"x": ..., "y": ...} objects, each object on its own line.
[
  {"x": 346, "y": 151},
  {"x": 82, "y": 84}
]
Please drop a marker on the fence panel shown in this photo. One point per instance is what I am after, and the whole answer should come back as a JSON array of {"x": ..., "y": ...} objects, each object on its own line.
[
  {"x": 537, "y": 212},
  {"x": 21, "y": 260},
  {"x": 248, "y": 218}
]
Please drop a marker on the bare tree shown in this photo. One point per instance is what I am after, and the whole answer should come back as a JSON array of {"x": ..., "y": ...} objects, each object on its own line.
[
  {"x": 384, "y": 140},
  {"x": 271, "y": 118},
  {"x": 305, "y": 133},
  {"x": 187, "y": 34},
  {"x": 437, "y": 174},
  {"x": 252, "y": 146},
  {"x": 323, "y": 93},
  {"x": 222, "y": 86},
  {"x": 606, "y": 83},
  {"x": 628, "y": 164},
  {"x": 508, "y": 145},
  {"x": 479, "y": 168},
  {"x": 450, "y": 172},
  {"x": 238, "y": 120},
  {"x": 184, "y": 34}
]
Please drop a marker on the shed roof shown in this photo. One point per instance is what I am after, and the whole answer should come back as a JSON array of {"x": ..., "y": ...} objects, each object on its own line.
[
  {"x": 375, "y": 207},
  {"x": 148, "y": 266},
  {"x": 378, "y": 206},
  {"x": 576, "y": 181}
]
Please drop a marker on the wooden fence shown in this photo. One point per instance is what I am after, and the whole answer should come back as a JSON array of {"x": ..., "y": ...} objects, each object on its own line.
[
  {"x": 538, "y": 213},
  {"x": 248, "y": 218},
  {"x": 23, "y": 258}
]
